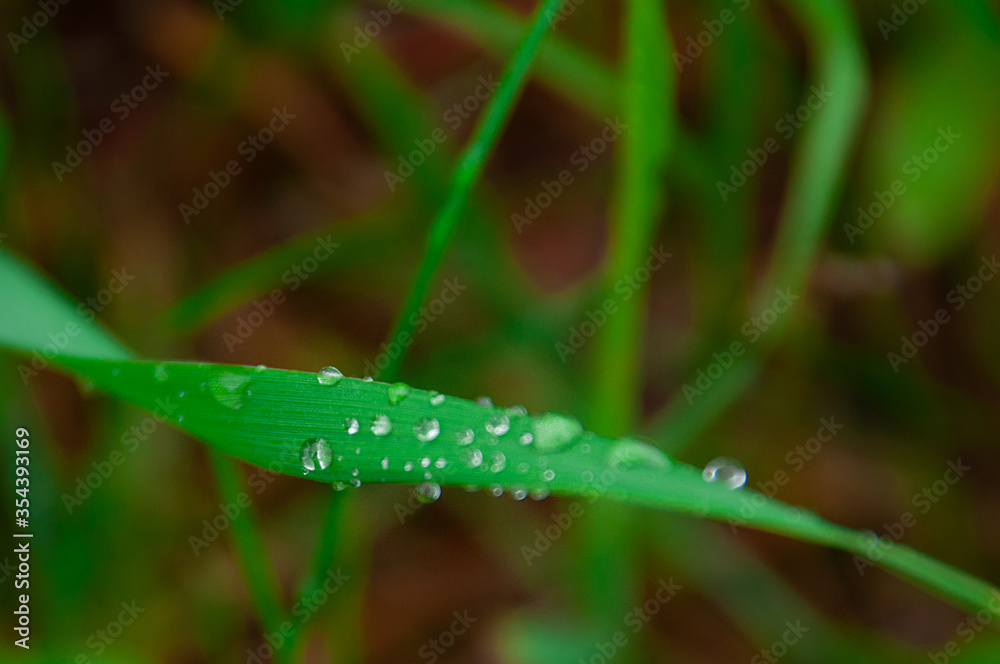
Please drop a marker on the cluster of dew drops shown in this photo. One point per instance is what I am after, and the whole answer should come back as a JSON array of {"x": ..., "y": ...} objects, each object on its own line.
[{"x": 552, "y": 432}]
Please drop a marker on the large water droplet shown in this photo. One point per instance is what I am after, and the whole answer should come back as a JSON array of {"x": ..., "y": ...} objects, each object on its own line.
[
  {"x": 427, "y": 429},
  {"x": 472, "y": 458},
  {"x": 381, "y": 425},
  {"x": 555, "y": 431},
  {"x": 315, "y": 453},
  {"x": 329, "y": 376},
  {"x": 465, "y": 437},
  {"x": 427, "y": 492},
  {"x": 485, "y": 402},
  {"x": 351, "y": 425},
  {"x": 498, "y": 462},
  {"x": 498, "y": 425},
  {"x": 632, "y": 453},
  {"x": 729, "y": 472},
  {"x": 398, "y": 392},
  {"x": 160, "y": 372},
  {"x": 229, "y": 389}
]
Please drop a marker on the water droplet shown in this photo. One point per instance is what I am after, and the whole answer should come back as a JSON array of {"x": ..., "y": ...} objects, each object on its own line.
[
  {"x": 631, "y": 453},
  {"x": 548, "y": 474},
  {"x": 523, "y": 467},
  {"x": 465, "y": 437},
  {"x": 727, "y": 471},
  {"x": 437, "y": 398},
  {"x": 440, "y": 463},
  {"x": 520, "y": 494},
  {"x": 496, "y": 490},
  {"x": 381, "y": 425},
  {"x": 408, "y": 466},
  {"x": 498, "y": 425},
  {"x": 555, "y": 431},
  {"x": 229, "y": 389},
  {"x": 368, "y": 379},
  {"x": 385, "y": 463},
  {"x": 498, "y": 462},
  {"x": 427, "y": 429},
  {"x": 472, "y": 458},
  {"x": 517, "y": 411},
  {"x": 160, "y": 372},
  {"x": 585, "y": 448},
  {"x": 587, "y": 477},
  {"x": 485, "y": 402},
  {"x": 355, "y": 472},
  {"x": 339, "y": 486},
  {"x": 315, "y": 453},
  {"x": 425, "y": 462},
  {"x": 398, "y": 392},
  {"x": 540, "y": 493},
  {"x": 355, "y": 482},
  {"x": 351, "y": 425},
  {"x": 329, "y": 376},
  {"x": 427, "y": 492},
  {"x": 527, "y": 438}
]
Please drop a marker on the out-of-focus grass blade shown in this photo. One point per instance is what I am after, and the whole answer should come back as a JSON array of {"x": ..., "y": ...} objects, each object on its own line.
[
  {"x": 469, "y": 169},
  {"x": 817, "y": 171},
  {"x": 579, "y": 76}
]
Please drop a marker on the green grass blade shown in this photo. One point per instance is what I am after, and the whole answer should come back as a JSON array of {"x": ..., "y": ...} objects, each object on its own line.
[
  {"x": 264, "y": 416},
  {"x": 582, "y": 78},
  {"x": 468, "y": 172},
  {"x": 250, "y": 549}
]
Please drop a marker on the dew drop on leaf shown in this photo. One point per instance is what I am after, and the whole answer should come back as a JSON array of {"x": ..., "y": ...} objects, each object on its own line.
[
  {"x": 728, "y": 472},
  {"x": 472, "y": 458},
  {"x": 385, "y": 463},
  {"x": 520, "y": 494},
  {"x": 229, "y": 389},
  {"x": 527, "y": 438},
  {"x": 437, "y": 398},
  {"x": 631, "y": 453},
  {"x": 398, "y": 392},
  {"x": 160, "y": 372},
  {"x": 381, "y": 425},
  {"x": 427, "y": 429},
  {"x": 465, "y": 437},
  {"x": 498, "y": 425},
  {"x": 498, "y": 462},
  {"x": 315, "y": 453},
  {"x": 548, "y": 475},
  {"x": 427, "y": 492},
  {"x": 351, "y": 425},
  {"x": 329, "y": 376},
  {"x": 555, "y": 431}
]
